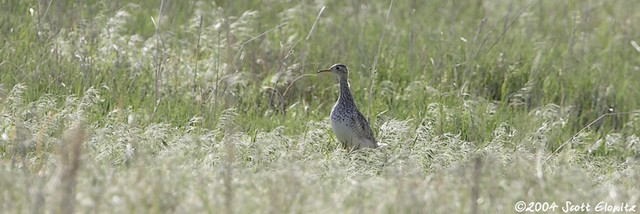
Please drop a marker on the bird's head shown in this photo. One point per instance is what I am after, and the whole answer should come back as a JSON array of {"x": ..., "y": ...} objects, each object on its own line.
[{"x": 339, "y": 69}]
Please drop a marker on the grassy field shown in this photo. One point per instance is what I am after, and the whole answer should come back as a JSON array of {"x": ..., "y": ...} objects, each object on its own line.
[{"x": 215, "y": 106}]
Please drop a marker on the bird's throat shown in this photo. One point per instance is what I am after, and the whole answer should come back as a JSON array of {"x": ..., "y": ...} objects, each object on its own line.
[{"x": 345, "y": 93}]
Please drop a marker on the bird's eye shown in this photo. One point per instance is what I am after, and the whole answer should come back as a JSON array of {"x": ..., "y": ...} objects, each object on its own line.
[{"x": 338, "y": 68}]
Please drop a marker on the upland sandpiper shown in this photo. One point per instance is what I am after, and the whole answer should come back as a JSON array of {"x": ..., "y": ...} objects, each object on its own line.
[{"x": 350, "y": 126}]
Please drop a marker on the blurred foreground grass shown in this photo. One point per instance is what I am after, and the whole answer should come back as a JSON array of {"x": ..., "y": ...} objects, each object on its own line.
[{"x": 109, "y": 106}]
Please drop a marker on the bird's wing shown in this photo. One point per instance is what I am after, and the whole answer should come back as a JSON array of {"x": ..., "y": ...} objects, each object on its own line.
[{"x": 364, "y": 129}]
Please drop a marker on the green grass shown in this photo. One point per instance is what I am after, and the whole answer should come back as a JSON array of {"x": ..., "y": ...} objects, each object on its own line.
[{"x": 203, "y": 107}]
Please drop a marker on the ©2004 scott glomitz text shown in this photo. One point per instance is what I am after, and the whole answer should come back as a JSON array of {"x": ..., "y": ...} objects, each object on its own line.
[{"x": 571, "y": 206}]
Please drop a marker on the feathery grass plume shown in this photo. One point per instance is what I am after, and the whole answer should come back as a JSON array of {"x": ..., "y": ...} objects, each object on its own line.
[
  {"x": 395, "y": 131},
  {"x": 633, "y": 144},
  {"x": 116, "y": 46},
  {"x": 122, "y": 138},
  {"x": 634, "y": 121},
  {"x": 274, "y": 141},
  {"x": 523, "y": 97},
  {"x": 15, "y": 132},
  {"x": 14, "y": 98},
  {"x": 316, "y": 138},
  {"x": 226, "y": 120},
  {"x": 504, "y": 134},
  {"x": 550, "y": 118},
  {"x": 3, "y": 94},
  {"x": 388, "y": 90}
]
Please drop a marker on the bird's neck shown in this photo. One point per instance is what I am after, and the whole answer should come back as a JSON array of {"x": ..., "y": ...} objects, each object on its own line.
[{"x": 345, "y": 92}]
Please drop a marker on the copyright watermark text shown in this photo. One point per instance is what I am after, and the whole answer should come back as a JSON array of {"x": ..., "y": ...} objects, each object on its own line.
[{"x": 571, "y": 206}]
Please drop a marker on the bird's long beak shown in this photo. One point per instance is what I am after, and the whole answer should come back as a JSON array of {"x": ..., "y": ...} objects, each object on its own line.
[{"x": 325, "y": 70}]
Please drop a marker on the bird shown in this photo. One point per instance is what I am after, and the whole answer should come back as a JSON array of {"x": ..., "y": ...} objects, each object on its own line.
[{"x": 349, "y": 125}]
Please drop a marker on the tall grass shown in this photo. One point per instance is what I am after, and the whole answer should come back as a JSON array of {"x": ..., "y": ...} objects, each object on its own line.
[{"x": 213, "y": 107}]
